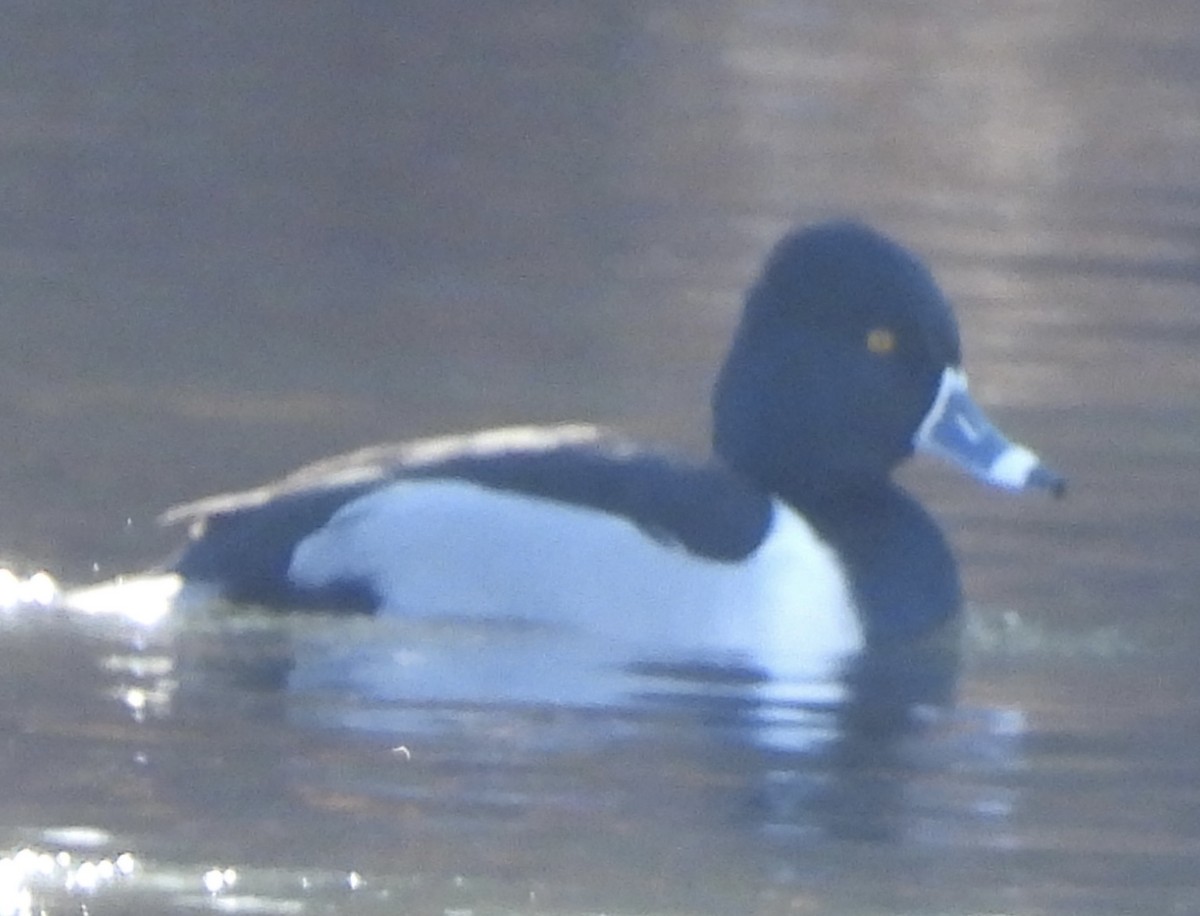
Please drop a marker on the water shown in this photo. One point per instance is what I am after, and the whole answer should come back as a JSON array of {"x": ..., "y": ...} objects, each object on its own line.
[
  {"x": 238, "y": 239},
  {"x": 165, "y": 754}
]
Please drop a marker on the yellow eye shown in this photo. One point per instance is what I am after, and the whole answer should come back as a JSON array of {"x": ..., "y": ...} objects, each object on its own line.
[{"x": 881, "y": 341}]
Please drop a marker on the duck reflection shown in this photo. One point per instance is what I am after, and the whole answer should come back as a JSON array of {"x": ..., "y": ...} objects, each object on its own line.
[{"x": 874, "y": 752}]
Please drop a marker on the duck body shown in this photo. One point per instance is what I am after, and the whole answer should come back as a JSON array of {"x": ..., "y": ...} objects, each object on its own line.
[
  {"x": 791, "y": 543},
  {"x": 568, "y": 526}
]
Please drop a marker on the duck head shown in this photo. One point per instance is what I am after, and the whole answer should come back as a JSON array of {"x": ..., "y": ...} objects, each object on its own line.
[{"x": 846, "y": 361}]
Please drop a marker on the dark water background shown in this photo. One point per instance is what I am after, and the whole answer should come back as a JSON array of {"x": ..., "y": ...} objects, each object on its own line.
[{"x": 235, "y": 237}]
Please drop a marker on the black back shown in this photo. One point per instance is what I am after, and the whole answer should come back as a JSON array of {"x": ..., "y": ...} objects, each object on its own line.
[{"x": 704, "y": 508}]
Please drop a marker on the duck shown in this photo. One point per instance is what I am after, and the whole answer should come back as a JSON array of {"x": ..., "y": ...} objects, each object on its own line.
[{"x": 789, "y": 546}]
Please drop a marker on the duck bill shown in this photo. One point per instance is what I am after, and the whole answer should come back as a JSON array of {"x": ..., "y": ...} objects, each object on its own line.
[{"x": 958, "y": 430}]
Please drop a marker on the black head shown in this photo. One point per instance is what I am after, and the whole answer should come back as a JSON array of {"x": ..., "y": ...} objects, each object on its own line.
[{"x": 841, "y": 347}]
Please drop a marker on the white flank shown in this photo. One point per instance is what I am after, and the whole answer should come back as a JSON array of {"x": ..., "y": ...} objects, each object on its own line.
[{"x": 452, "y": 548}]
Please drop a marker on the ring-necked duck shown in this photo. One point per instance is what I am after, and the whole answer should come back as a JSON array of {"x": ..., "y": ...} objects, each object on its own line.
[{"x": 790, "y": 545}]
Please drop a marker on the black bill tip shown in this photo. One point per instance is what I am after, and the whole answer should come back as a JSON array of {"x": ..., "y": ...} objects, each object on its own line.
[{"x": 1045, "y": 479}]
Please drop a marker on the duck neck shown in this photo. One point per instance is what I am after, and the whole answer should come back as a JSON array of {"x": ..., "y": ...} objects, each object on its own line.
[{"x": 904, "y": 575}]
